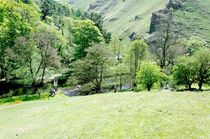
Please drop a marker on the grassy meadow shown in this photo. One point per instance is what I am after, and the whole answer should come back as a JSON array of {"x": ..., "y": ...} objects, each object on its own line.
[{"x": 120, "y": 115}]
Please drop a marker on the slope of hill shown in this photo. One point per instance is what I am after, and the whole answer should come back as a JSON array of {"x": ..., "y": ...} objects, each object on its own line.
[
  {"x": 191, "y": 16},
  {"x": 112, "y": 115},
  {"x": 195, "y": 18},
  {"x": 124, "y": 17},
  {"x": 83, "y": 4}
]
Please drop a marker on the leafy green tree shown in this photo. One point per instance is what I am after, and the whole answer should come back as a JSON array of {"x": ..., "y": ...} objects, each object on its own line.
[
  {"x": 27, "y": 1},
  {"x": 63, "y": 9},
  {"x": 92, "y": 68},
  {"x": 35, "y": 55},
  {"x": 79, "y": 13},
  {"x": 16, "y": 19},
  {"x": 192, "y": 69},
  {"x": 47, "y": 8},
  {"x": 115, "y": 45},
  {"x": 59, "y": 22},
  {"x": 202, "y": 66},
  {"x": 137, "y": 53},
  {"x": 84, "y": 33},
  {"x": 148, "y": 75},
  {"x": 107, "y": 36},
  {"x": 194, "y": 44},
  {"x": 97, "y": 18},
  {"x": 184, "y": 72}
]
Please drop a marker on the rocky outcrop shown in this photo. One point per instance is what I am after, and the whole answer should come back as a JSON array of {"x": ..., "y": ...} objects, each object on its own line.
[
  {"x": 175, "y": 4},
  {"x": 113, "y": 19},
  {"x": 95, "y": 5},
  {"x": 132, "y": 36},
  {"x": 157, "y": 17}
]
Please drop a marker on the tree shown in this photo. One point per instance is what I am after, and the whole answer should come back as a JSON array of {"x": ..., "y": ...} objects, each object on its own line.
[
  {"x": 163, "y": 42},
  {"x": 79, "y": 13},
  {"x": 47, "y": 8},
  {"x": 35, "y": 54},
  {"x": 192, "y": 69},
  {"x": 27, "y": 1},
  {"x": 63, "y": 9},
  {"x": 137, "y": 53},
  {"x": 97, "y": 18},
  {"x": 184, "y": 72},
  {"x": 16, "y": 19},
  {"x": 202, "y": 64},
  {"x": 115, "y": 45},
  {"x": 84, "y": 33},
  {"x": 92, "y": 68},
  {"x": 148, "y": 75},
  {"x": 194, "y": 44}
]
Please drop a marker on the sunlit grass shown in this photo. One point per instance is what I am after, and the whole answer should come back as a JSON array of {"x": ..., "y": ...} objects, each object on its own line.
[{"x": 120, "y": 115}]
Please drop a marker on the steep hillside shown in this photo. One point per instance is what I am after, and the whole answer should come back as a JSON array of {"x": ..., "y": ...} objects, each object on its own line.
[
  {"x": 123, "y": 17},
  {"x": 191, "y": 17},
  {"x": 83, "y": 4},
  {"x": 194, "y": 18}
]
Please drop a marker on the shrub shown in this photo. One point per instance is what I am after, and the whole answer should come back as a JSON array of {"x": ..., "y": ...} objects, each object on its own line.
[
  {"x": 20, "y": 91},
  {"x": 184, "y": 72},
  {"x": 19, "y": 99},
  {"x": 87, "y": 89},
  {"x": 148, "y": 75}
]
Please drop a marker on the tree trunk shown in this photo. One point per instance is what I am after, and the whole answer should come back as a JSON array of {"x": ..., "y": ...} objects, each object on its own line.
[
  {"x": 43, "y": 74},
  {"x": 2, "y": 74},
  {"x": 98, "y": 89},
  {"x": 200, "y": 84},
  {"x": 3, "y": 70},
  {"x": 149, "y": 87},
  {"x": 120, "y": 82},
  {"x": 134, "y": 85},
  {"x": 190, "y": 86},
  {"x": 201, "y": 80},
  {"x": 161, "y": 65}
]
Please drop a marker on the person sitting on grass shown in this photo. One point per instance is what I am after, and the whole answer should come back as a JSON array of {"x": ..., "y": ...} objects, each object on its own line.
[{"x": 52, "y": 93}]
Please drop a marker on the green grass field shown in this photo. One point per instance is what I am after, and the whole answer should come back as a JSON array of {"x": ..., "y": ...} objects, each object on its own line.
[{"x": 121, "y": 115}]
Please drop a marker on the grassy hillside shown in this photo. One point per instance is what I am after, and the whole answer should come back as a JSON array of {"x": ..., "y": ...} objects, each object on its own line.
[
  {"x": 83, "y": 4},
  {"x": 126, "y": 17},
  {"x": 123, "y": 115},
  {"x": 123, "y": 17},
  {"x": 195, "y": 18}
]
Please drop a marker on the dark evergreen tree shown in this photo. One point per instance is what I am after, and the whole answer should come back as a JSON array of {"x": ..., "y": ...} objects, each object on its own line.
[{"x": 47, "y": 8}]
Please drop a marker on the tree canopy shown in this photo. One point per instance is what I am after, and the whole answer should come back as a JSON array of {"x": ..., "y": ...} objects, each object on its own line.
[{"x": 84, "y": 33}]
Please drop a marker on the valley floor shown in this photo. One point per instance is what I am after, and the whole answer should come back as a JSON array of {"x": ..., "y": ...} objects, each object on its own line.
[{"x": 121, "y": 115}]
